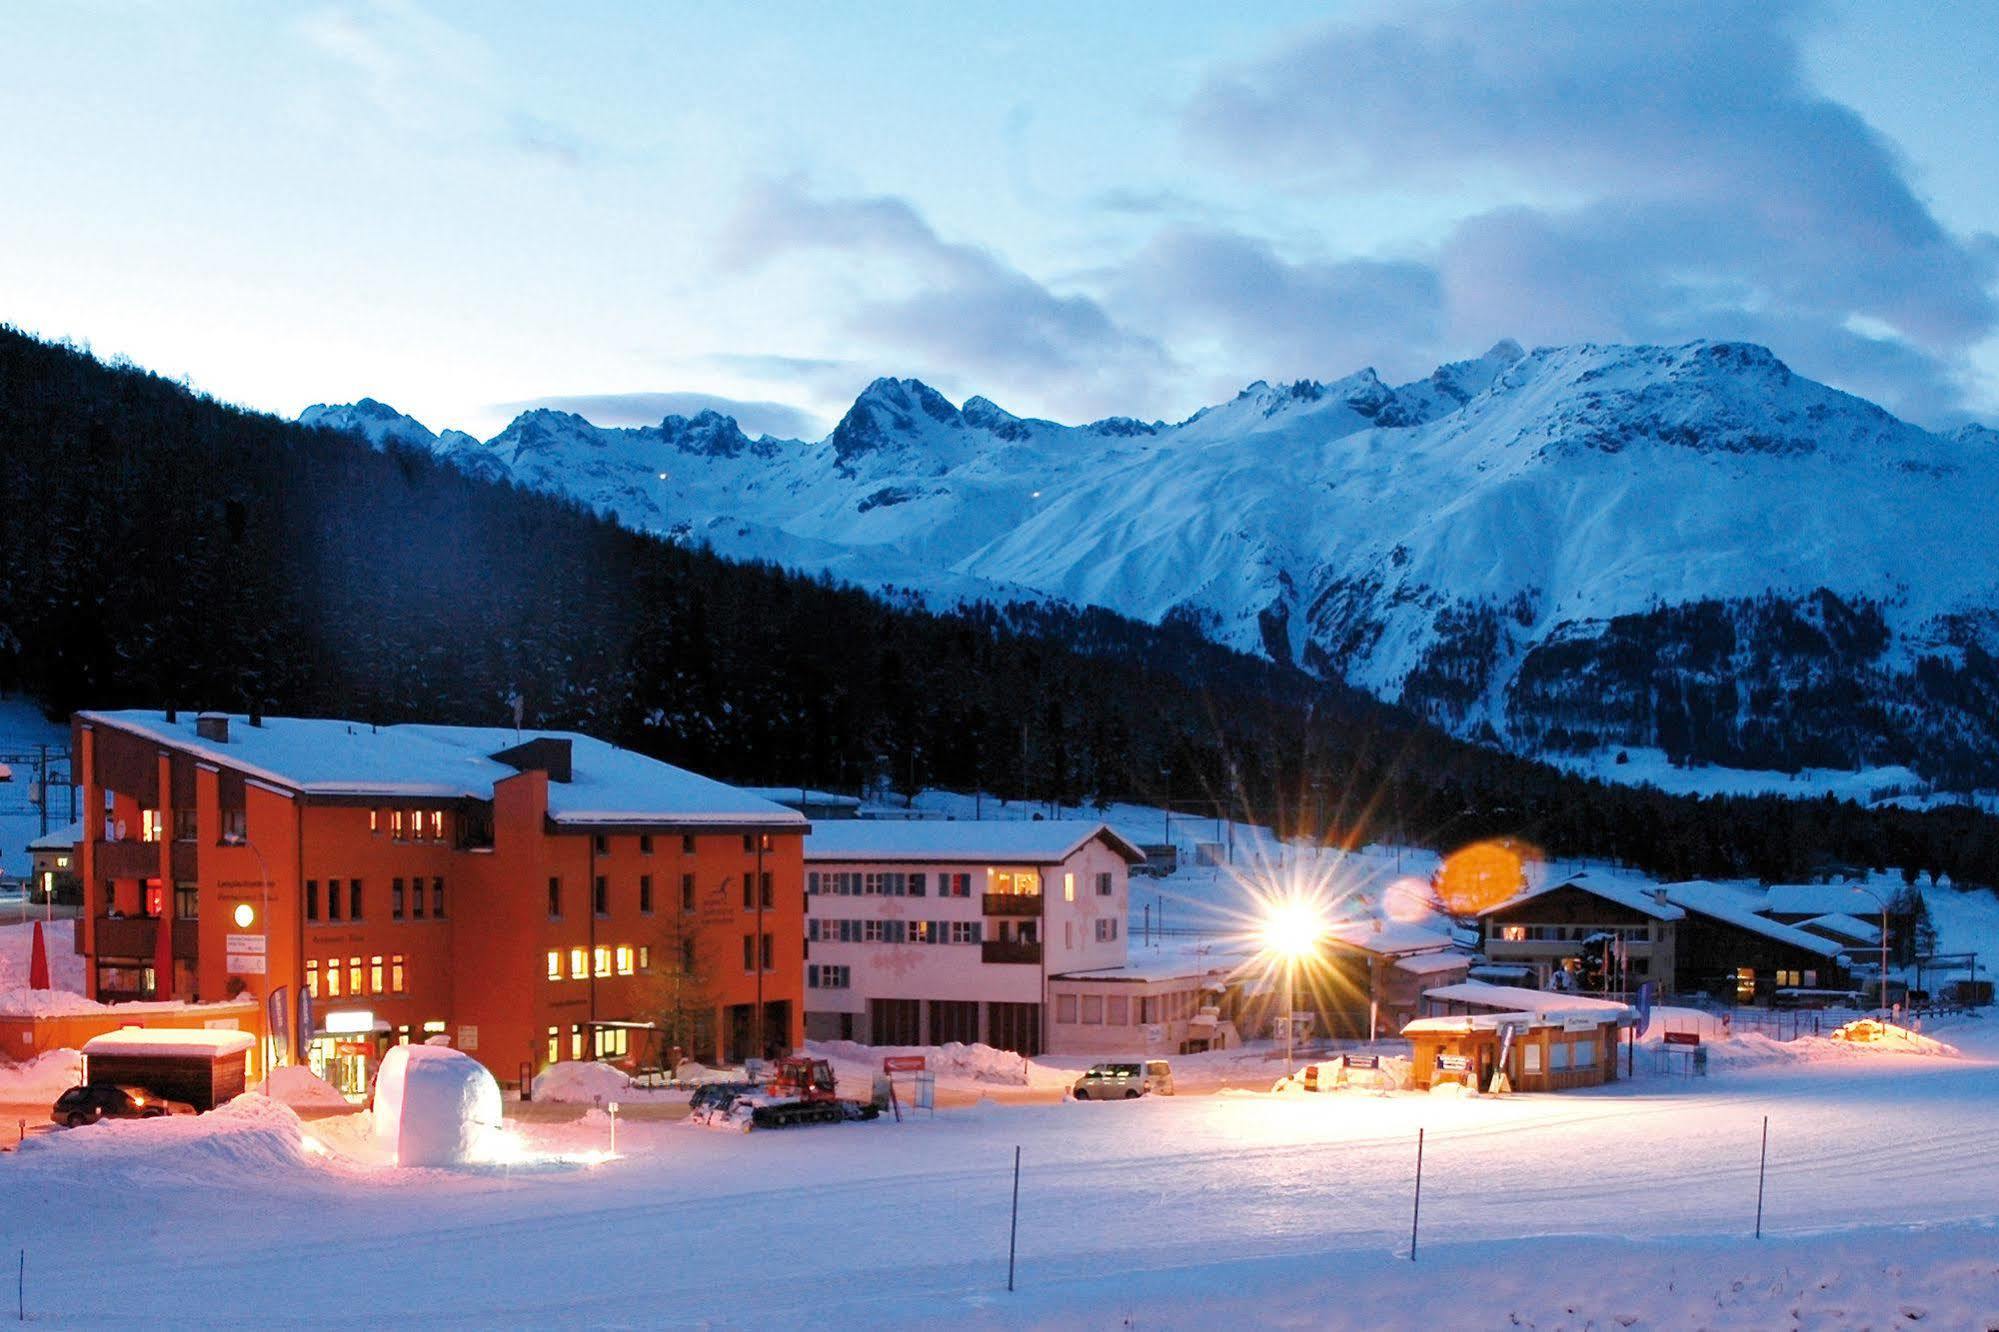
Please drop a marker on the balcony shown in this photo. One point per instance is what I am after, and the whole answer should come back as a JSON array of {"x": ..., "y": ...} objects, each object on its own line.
[
  {"x": 128, "y": 859},
  {"x": 135, "y": 936},
  {"x": 1012, "y": 904},
  {"x": 1008, "y": 951}
]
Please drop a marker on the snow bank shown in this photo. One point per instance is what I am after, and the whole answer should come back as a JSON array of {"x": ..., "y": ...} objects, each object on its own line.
[
  {"x": 434, "y": 1106},
  {"x": 45, "y": 1077},
  {"x": 22, "y": 1001},
  {"x": 952, "y": 1061},
  {"x": 229, "y": 1146},
  {"x": 297, "y": 1085},
  {"x": 17, "y": 941},
  {"x": 580, "y": 1082}
]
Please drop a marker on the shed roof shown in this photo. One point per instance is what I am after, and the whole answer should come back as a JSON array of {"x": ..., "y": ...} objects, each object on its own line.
[
  {"x": 213, "y": 1042},
  {"x": 943, "y": 841}
]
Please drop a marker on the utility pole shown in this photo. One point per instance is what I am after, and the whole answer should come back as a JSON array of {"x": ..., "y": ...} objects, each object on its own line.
[{"x": 42, "y": 786}]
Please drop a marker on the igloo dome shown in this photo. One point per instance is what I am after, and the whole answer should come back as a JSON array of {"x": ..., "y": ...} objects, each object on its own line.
[{"x": 434, "y": 1106}]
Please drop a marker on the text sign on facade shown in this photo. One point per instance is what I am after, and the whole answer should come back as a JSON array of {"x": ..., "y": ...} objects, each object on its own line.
[
  {"x": 1683, "y": 1038},
  {"x": 902, "y": 1063},
  {"x": 244, "y": 964},
  {"x": 243, "y": 943},
  {"x": 1363, "y": 1061},
  {"x": 468, "y": 1038},
  {"x": 1583, "y": 1023},
  {"x": 1450, "y": 1063}
]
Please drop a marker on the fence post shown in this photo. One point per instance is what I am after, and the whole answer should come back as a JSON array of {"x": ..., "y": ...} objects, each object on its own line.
[
  {"x": 1761, "y": 1165},
  {"x": 21, "y": 1289},
  {"x": 1013, "y": 1227},
  {"x": 1416, "y": 1214}
]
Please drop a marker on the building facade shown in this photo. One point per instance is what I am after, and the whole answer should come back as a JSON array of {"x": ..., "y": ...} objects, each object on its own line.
[
  {"x": 920, "y": 933},
  {"x": 531, "y": 897}
]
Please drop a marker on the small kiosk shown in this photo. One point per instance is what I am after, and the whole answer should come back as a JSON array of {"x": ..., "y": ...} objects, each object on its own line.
[
  {"x": 203, "y": 1068},
  {"x": 1542, "y": 1041}
]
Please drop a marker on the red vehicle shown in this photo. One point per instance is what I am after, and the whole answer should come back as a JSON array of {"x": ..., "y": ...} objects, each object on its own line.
[{"x": 801, "y": 1091}]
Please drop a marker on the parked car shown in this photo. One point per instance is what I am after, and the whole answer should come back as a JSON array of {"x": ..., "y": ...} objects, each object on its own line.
[
  {"x": 103, "y": 1100},
  {"x": 1122, "y": 1082}
]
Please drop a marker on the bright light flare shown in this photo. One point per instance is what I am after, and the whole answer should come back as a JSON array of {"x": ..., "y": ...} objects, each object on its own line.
[{"x": 1292, "y": 929}]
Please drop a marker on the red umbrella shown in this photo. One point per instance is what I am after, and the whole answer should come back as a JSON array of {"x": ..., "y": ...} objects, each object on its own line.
[
  {"x": 38, "y": 962},
  {"x": 163, "y": 956}
]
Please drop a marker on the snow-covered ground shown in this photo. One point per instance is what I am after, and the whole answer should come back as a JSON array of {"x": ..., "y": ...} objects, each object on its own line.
[
  {"x": 22, "y": 729},
  {"x": 1628, "y": 1206},
  {"x": 17, "y": 946}
]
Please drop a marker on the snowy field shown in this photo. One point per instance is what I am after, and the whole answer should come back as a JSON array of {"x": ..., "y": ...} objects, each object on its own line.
[{"x": 1631, "y": 1206}]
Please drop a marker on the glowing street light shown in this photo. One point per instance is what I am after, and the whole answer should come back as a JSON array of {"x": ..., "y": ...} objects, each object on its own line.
[{"x": 1291, "y": 930}]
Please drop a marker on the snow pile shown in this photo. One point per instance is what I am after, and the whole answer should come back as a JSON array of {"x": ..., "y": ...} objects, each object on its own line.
[
  {"x": 581, "y": 1083},
  {"x": 951, "y": 1061},
  {"x": 1877, "y": 1035},
  {"x": 238, "y": 1140},
  {"x": 434, "y": 1106},
  {"x": 45, "y": 1077},
  {"x": 22, "y": 1001},
  {"x": 17, "y": 942},
  {"x": 297, "y": 1085}
]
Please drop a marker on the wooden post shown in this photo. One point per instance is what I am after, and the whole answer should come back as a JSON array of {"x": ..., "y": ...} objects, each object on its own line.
[
  {"x": 1761, "y": 1165},
  {"x": 1013, "y": 1228},
  {"x": 1416, "y": 1215}
]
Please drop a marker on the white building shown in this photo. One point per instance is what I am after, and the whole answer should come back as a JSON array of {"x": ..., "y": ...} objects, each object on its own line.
[{"x": 926, "y": 932}]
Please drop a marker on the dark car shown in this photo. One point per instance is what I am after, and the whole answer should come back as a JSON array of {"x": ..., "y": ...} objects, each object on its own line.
[{"x": 104, "y": 1100}]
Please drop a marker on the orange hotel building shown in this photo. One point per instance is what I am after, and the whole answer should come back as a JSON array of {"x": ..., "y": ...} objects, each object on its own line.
[{"x": 523, "y": 893}]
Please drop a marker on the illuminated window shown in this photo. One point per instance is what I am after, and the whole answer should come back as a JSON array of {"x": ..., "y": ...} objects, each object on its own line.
[
  {"x": 396, "y": 824},
  {"x": 554, "y": 1044},
  {"x": 612, "y": 1042},
  {"x": 332, "y": 978},
  {"x": 374, "y": 820},
  {"x": 437, "y": 825},
  {"x": 375, "y": 974},
  {"x": 312, "y": 977},
  {"x": 396, "y": 973},
  {"x": 624, "y": 959},
  {"x": 150, "y": 825},
  {"x": 1745, "y": 983},
  {"x": 579, "y": 963},
  {"x": 353, "y": 975},
  {"x": 645, "y": 958},
  {"x": 1513, "y": 933},
  {"x": 1068, "y": 887},
  {"x": 434, "y": 1027},
  {"x": 603, "y": 956},
  {"x": 416, "y": 825},
  {"x": 555, "y": 964},
  {"x": 575, "y": 1040}
]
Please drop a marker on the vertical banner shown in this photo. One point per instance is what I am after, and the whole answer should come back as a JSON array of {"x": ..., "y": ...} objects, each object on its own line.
[
  {"x": 278, "y": 1007},
  {"x": 1644, "y": 1008},
  {"x": 305, "y": 1031}
]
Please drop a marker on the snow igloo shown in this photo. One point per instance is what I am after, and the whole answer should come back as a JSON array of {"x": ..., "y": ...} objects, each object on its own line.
[{"x": 434, "y": 1106}]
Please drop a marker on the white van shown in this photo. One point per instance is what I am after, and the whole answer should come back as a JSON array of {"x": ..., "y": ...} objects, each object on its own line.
[{"x": 1122, "y": 1082}]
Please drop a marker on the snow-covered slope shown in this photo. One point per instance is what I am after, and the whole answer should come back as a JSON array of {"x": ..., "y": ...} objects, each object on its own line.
[{"x": 1685, "y": 547}]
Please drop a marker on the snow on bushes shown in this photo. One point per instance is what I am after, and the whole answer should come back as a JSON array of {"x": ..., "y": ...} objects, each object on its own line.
[
  {"x": 434, "y": 1106},
  {"x": 580, "y": 1082}
]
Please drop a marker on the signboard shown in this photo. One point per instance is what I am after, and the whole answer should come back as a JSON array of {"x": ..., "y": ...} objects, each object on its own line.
[
  {"x": 902, "y": 1063},
  {"x": 277, "y": 1006},
  {"x": 1454, "y": 1063},
  {"x": 348, "y": 1021},
  {"x": 468, "y": 1038},
  {"x": 352, "y": 1048},
  {"x": 1363, "y": 1061},
  {"x": 1582, "y": 1022},
  {"x": 1683, "y": 1038},
  {"x": 305, "y": 1027},
  {"x": 244, "y": 964},
  {"x": 243, "y": 943}
]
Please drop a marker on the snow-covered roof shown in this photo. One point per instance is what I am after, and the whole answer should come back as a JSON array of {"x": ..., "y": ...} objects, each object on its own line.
[
  {"x": 802, "y": 795},
  {"x": 1540, "y": 1005},
  {"x": 1147, "y": 970},
  {"x": 1388, "y": 937},
  {"x": 1431, "y": 964},
  {"x": 213, "y": 1042},
  {"x": 59, "y": 839},
  {"x": 1818, "y": 899},
  {"x": 1010, "y": 841},
  {"x": 1644, "y": 902},
  {"x": 1731, "y": 906},
  {"x": 320, "y": 756},
  {"x": 1844, "y": 927}
]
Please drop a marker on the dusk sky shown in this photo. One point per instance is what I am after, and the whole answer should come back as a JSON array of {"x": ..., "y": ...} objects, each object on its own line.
[{"x": 1074, "y": 210}]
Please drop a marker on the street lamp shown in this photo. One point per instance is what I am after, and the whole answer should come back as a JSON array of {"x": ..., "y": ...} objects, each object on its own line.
[
  {"x": 1291, "y": 931},
  {"x": 1884, "y": 944}
]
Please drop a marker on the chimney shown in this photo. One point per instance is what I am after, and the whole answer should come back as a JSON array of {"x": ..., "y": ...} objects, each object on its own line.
[
  {"x": 1659, "y": 896},
  {"x": 256, "y": 714},
  {"x": 213, "y": 726},
  {"x": 548, "y": 754},
  {"x": 173, "y": 714}
]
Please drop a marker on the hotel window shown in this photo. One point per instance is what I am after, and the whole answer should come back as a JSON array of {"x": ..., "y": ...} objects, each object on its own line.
[
  {"x": 353, "y": 975},
  {"x": 575, "y": 1040},
  {"x": 1745, "y": 983},
  {"x": 1513, "y": 933},
  {"x": 312, "y": 899},
  {"x": 1068, "y": 887},
  {"x": 601, "y": 900},
  {"x": 396, "y": 824},
  {"x": 645, "y": 958},
  {"x": 333, "y": 899},
  {"x": 601, "y": 843},
  {"x": 150, "y": 829},
  {"x": 687, "y": 892},
  {"x": 396, "y": 973},
  {"x": 1065, "y": 1009},
  {"x": 437, "y": 825},
  {"x": 396, "y": 898},
  {"x": 1104, "y": 884},
  {"x": 749, "y": 952},
  {"x": 686, "y": 955},
  {"x": 602, "y": 953},
  {"x": 645, "y": 894},
  {"x": 1093, "y": 1010},
  {"x": 332, "y": 978},
  {"x": 187, "y": 823},
  {"x": 353, "y": 899},
  {"x": 1117, "y": 1011},
  {"x": 555, "y": 1045},
  {"x": 687, "y": 844},
  {"x": 312, "y": 977},
  {"x": 624, "y": 959},
  {"x": 375, "y": 974},
  {"x": 554, "y": 898},
  {"x": 579, "y": 963},
  {"x": 769, "y": 900},
  {"x": 768, "y": 951},
  {"x": 437, "y": 899},
  {"x": 555, "y": 964},
  {"x": 375, "y": 821},
  {"x": 187, "y": 902},
  {"x": 645, "y": 844},
  {"x": 416, "y": 899}
]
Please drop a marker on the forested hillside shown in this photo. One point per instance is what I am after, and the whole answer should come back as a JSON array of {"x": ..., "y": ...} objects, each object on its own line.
[{"x": 165, "y": 548}]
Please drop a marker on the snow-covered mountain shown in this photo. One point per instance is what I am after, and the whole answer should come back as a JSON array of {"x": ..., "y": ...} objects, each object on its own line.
[{"x": 1684, "y": 547}]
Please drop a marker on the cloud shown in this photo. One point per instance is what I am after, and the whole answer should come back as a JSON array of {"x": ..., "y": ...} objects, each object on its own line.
[
  {"x": 1635, "y": 171},
  {"x": 944, "y": 309},
  {"x": 644, "y": 409}
]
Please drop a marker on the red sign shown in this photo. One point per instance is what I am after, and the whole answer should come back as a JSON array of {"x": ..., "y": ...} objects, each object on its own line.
[
  {"x": 352, "y": 1048},
  {"x": 902, "y": 1063},
  {"x": 1683, "y": 1038}
]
